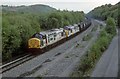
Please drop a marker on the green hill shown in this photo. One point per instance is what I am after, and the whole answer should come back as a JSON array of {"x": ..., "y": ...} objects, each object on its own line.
[
  {"x": 104, "y": 11},
  {"x": 39, "y": 8}
]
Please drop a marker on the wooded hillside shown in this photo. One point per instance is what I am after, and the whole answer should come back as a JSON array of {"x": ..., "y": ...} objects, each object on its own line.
[{"x": 105, "y": 11}]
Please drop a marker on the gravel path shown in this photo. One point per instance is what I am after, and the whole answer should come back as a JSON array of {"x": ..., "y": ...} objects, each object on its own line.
[
  {"x": 107, "y": 66},
  {"x": 55, "y": 61}
]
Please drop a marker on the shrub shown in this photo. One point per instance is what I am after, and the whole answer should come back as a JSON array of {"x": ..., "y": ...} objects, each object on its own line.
[
  {"x": 110, "y": 28},
  {"x": 85, "y": 65}
]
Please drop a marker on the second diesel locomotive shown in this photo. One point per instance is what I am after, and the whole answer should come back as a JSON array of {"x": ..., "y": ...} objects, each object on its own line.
[{"x": 43, "y": 41}]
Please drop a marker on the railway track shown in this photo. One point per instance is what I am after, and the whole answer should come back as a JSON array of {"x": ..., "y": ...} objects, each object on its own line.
[{"x": 15, "y": 63}]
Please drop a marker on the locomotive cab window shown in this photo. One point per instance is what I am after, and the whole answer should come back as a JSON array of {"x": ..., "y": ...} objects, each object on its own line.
[{"x": 44, "y": 37}]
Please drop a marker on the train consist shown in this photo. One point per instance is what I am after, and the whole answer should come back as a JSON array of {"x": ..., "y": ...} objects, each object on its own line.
[{"x": 43, "y": 41}]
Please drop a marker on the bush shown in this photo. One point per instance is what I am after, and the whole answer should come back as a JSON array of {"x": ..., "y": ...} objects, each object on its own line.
[
  {"x": 95, "y": 51},
  {"x": 16, "y": 30},
  {"x": 85, "y": 65},
  {"x": 110, "y": 28}
]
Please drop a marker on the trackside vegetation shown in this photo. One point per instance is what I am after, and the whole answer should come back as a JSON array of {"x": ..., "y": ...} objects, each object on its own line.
[
  {"x": 89, "y": 60},
  {"x": 18, "y": 27}
]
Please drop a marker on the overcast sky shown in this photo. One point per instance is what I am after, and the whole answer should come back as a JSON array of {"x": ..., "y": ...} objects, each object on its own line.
[{"x": 76, "y": 5}]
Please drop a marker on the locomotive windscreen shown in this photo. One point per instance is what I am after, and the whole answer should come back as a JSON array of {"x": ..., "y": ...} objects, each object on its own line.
[{"x": 39, "y": 36}]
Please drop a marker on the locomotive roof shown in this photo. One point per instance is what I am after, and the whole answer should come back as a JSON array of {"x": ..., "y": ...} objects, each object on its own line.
[{"x": 51, "y": 31}]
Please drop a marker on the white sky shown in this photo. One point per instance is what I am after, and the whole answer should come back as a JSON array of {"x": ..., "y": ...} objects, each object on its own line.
[{"x": 76, "y": 5}]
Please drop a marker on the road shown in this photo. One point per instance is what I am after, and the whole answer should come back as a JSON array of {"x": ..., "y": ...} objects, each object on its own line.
[
  {"x": 57, "y": 61},
  {"x": 107, "y": 66}
]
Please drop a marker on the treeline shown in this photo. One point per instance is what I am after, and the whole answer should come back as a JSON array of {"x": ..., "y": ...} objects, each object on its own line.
[
  {"x": 105, "y": 11},
  {"x": 37, "y": 8},
  {"x": 60, "y": 19},
  {"x": 17, "y": 28}
]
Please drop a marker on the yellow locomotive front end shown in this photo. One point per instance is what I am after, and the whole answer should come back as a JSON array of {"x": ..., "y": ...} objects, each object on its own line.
[
  {"x": 66, "y": 33},
  {"x": 37, "y": 43},
  {"x": 34, "y": 43},
  {"x": 34, "y": 46}
]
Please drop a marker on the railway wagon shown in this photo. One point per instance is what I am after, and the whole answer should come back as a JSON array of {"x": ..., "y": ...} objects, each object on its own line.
[{"x": 46, "y": 40}]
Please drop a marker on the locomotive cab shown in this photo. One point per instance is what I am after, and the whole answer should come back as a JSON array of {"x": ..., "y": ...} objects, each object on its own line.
[
  {"x": 69, "y": 30},
  {"x": 37, "y": 41}
]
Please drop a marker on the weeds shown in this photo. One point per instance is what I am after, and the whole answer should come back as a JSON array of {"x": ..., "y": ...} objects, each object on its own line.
[{"x": 87, "y": 37}]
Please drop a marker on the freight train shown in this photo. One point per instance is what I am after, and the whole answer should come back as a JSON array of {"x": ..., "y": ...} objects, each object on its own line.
[{"x": 46, "y": 40}]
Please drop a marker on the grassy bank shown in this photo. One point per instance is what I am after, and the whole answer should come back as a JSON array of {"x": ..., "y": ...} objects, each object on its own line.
[{"x": 87, "y": 63}]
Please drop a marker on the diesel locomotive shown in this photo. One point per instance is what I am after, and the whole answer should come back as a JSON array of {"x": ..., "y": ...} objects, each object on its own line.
[{"x": 45, "y": 40}]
